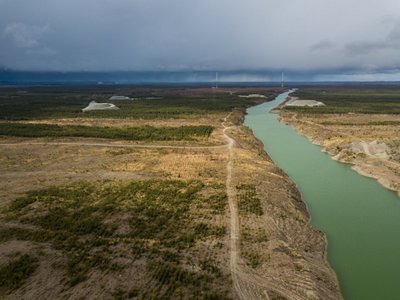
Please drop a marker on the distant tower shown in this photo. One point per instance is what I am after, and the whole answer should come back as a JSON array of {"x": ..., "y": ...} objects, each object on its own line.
[
  {"x": 216, "y": 80},
  {"x": 283, "y": 80}
]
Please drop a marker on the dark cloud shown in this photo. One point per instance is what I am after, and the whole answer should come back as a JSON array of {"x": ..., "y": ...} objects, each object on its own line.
[
  {"x": 27, "y": 37},
  {"x": 202, "y": 35},
  {"x": 322, "y": 45},
  {"x": 390, "y": 42}
]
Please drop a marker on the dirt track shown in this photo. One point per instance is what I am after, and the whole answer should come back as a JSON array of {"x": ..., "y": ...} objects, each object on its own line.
[{"x": 247, "y": 285}]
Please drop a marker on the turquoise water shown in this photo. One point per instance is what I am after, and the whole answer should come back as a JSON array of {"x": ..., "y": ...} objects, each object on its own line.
[{"x": 360, "y": 218}]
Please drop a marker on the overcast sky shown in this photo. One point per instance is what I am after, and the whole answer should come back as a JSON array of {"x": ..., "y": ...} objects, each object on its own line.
[{"x": 322, "y": 36}]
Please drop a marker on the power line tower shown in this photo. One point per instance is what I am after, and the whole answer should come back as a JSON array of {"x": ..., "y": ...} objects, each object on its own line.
[
  {"x": 216, "y": 80},
  {"x": 283, "y": 80}
]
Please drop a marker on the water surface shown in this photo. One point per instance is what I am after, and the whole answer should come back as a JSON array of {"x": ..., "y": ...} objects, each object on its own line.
[{"x": 360, "y": 218}]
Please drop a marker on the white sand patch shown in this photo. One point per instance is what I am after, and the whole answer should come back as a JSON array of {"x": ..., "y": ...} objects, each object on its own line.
[
  {"x": 119, "y": 98},
  {"x": 99, "y": 106},
  {"x": 252, "y": 96},
  {"x": 302, "y": 103},
  {"x": 375, "y": 149},
  {"x": 147, "y": 98}
]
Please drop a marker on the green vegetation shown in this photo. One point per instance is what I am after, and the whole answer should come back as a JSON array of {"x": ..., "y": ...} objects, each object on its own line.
[
  {"x": 14, "y": 274},
  {"x": 253, "y": 258},
  {"x": 216, "y": 202},
  {"x": 156, "y": 219},
  {"x": 209, "y": 266},
  {"x": 248, "y": 202},
  {"x": 62, "y": 102},
  {"x": 248, "y": 238},
  {"x": 274, "y": 296},
  {"x": 141, "y": 133},
  {"x": 172, "y": 278},
  {"x": 379, "y": 100},
  {"x": 120, "y": 294},
  {"x": 254, "y": 236}
]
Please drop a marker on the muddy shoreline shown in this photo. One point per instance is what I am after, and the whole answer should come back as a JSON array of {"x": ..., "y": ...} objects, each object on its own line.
[
  {"x": 359, "y": 164},
  {"x": 302, "y": 206},
  {"x": 316, "y": 257}
]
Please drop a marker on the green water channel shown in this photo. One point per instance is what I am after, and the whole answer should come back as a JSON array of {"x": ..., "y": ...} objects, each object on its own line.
[{"x": 360, "y": 218}]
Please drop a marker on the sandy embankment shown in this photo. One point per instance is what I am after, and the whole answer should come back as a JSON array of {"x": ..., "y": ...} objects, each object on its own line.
[
  {"x": 295, "y": 102},
  {"x": 370, "y": 164},
  {"x": 369, "y": 159},
  {"x": 293, "y": 258}
]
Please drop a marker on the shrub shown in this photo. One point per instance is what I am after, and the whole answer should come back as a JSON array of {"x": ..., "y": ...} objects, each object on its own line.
[
  {"x": 248, "y": 202},
  {"x": 141, "y": 133},
  {"x": 15, "y": 273}
]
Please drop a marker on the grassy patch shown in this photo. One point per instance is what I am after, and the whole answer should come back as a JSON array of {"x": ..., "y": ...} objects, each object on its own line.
[
  {"x": 253, "y": 258},
  {"x": 61, "y": 102},
  {"x": 211, "y": 267},
  {"x": 217, "y": 202},
  {"x": 379, "y": 100},
  {"x": 24, "y": 234},
  {"x": 142, "y": 133},
  {"x": 248, "y": 201},
  {"x": 254, "y": 236},
  {"x": 176, "y": 282},
  {"x": 14, "y": 274},
  {"x": 84, "y": 221},
  {"x": 215, "y": 199}
]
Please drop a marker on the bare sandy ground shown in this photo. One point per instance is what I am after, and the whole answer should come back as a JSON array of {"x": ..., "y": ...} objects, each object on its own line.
[{"x": 293, "y": 101}]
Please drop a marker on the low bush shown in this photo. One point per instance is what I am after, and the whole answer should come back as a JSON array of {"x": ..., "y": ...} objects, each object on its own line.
[
  {"x": 248, "y": 201},
  {"x": 14, "y": 274},
  {"x": 370, "y": 100},
  {"x": 141, "y": 133},
  {"x": 82, "y": 221}
]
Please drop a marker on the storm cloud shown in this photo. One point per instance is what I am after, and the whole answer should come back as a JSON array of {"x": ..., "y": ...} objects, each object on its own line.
[{"x": 299, "y": 35}]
